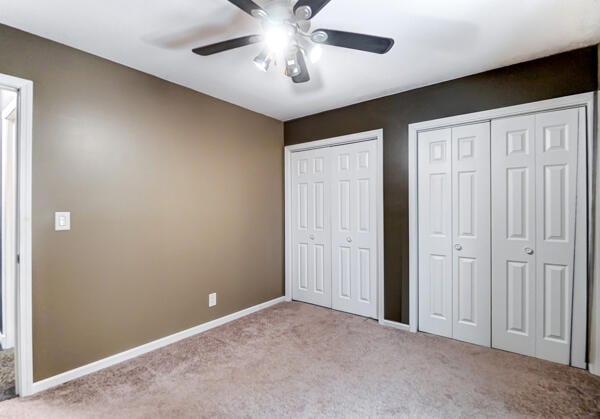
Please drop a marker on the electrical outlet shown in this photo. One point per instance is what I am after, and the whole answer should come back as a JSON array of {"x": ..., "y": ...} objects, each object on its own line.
[{"x": 212, "y": 299}]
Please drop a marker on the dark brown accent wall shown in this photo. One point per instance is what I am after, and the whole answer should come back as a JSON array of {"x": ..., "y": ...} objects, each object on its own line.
[
  {"x": 559, "y": 75},
  {"x": 173, "y": 194}
]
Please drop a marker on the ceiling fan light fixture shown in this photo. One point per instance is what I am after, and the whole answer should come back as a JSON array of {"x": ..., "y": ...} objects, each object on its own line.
[
  {"x": 263, "y": 61},
  {"x": 292, "y": 67},
  {"x": 315, "y": 53},
  {"x": 277, "y": 38}
]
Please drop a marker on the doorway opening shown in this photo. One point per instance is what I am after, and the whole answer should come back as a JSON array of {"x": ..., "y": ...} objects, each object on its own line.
[{"x": 8, "y": 243}]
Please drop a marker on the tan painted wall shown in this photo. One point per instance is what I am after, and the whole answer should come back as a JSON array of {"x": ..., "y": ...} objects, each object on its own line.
[{"x": 173, "y": 195}]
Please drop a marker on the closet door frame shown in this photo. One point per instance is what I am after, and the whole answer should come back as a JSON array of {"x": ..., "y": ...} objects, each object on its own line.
[
  {"x": 583, "y": 251},
  {"x": 376, "y": 135}
]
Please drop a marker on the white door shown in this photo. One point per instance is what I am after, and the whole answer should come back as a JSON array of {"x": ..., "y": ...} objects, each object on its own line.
[
  {"x": 354, "y": 228},
  {"x": 471, "y": 264},
  {"x": 8, "y": 153},
  {"x": 534, "y": 205},
  {"x": 513, "y": 233},
  {"x": 311, "y": 233},
  {"x": 435, "y": 231},
  {"x": 556, "y": 166},
  {"x": 454, "y": 232}
]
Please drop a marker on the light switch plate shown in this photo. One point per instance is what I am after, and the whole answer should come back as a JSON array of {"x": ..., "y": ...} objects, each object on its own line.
[
  {"x": 212, "y": 299},
  {"x": 62, "y": 221}
]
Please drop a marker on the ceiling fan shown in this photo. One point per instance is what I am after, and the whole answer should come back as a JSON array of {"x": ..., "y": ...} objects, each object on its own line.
[{"x": 286, "y": 36}]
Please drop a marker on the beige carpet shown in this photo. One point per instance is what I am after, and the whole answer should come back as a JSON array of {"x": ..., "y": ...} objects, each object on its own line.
[
  {"x": 298, "y": 360},
  {"x": 7, "y": 374}
]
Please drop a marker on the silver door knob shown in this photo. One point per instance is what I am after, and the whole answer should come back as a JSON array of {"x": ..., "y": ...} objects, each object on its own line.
[
  {"x": 528, "y": 250},
  {"x": 458, "y": 247},
  {"x": 349, "y": 239},
  {"x": 312, "y": 237}
]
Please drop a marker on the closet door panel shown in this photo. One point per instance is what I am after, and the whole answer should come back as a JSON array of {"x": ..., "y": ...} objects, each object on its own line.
[
  {"x": 471, "y": 233},
  {"x": 354, "y": 228},
  {"x": 435, "y": 231},
  {"x": 311, "y": 231},
  {"x": 513, "y": 233},
  {"x": 557, "y": 144}
]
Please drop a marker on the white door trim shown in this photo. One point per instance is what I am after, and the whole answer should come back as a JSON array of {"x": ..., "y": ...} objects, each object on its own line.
[
  {"x": 586, "y": 100},
  {"x": 23, "y": 344},
  {"x": 594, "y": 337},
  {"x": 345, "y": 139}
]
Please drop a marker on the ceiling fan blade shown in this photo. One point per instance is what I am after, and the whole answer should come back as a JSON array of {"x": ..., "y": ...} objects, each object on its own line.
[
  {"x": 315, "y": 6},
  {"x": 304, "y": 76},
  {"x": 246, "y": 5},
  {"x": 227, "y": 45},
  {"x": 369, "y": 43}
]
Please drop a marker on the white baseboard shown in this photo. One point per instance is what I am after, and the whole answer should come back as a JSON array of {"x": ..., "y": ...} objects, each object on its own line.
[
  {"x": 395, "y": 325},
  {"x": 148, "y": 347}
]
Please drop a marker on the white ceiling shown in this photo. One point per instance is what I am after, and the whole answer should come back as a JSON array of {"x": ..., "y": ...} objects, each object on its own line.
[{"x": 436, "y": 40}]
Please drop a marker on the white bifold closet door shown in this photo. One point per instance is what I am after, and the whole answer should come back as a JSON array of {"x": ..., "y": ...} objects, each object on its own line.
[
  {"x": 354, "y": 228},
  {"x": 454, "y": 232},
  {"x": 534, "y": 168},
  {"x": 435, "y": 232},
  {"x": 334, "y": 227},
  {"x": 311, "y": 231}
]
